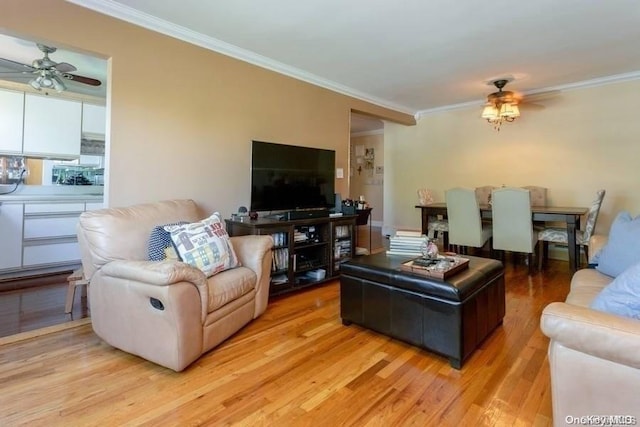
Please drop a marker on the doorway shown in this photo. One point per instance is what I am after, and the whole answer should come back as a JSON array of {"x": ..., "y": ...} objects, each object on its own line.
[{"x": 366, "y": 175}]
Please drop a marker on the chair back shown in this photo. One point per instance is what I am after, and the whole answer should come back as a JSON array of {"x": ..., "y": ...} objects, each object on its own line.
[
  {"x": 463, "y": 213},
  {"x": 483, "y": 194},
  {"x": 538, "y": 195},
  {"x": 592, "y": 215},
  {"x": 111, "y": 234},
  {"x": 512, "y": 220}
]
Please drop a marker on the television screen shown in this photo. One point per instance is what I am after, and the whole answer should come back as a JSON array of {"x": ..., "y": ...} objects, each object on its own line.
[{"x": 287, "y": 177}]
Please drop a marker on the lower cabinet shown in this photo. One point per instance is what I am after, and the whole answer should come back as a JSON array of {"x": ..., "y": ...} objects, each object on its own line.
[
  {"x": 51, "y": 253},
  {"x": 39, "y": 235},
  {"x": 11, "y": 238},
  {"x": 305, "y": 252}
]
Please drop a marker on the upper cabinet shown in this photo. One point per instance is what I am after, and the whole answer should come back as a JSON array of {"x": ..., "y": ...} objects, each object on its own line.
[
  {"x": 94, "y": 119},
  {"x": 11, "y": 108},
  {"x": 52, "y": 126}
]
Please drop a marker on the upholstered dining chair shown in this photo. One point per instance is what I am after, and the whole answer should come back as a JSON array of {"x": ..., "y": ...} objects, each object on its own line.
[
  {"x": 559, "y": 235},
  {"x": 483, "y": 194},
  {"x": 465, "y": 224},
  {"x": 538, "y": 195},
  {"x": 435, "y": 225},
  {"x": 513, "y": 222}
]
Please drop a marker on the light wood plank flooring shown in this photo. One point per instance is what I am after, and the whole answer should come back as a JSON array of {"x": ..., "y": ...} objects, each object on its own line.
[{"x": 295, "y": 365}]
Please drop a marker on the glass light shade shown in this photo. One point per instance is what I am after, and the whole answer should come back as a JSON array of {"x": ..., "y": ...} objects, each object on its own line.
[
  {"x": 489, "y": 112},
  {"x": 58, "y": 85},
  {"x": 509, "y": 110}
]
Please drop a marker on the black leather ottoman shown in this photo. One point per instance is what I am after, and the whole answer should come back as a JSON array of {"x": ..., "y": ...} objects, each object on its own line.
[{"x": 449, "y": 317}]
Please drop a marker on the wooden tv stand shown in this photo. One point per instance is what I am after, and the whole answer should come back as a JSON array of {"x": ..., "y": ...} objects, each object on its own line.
[{"x": 302, "y": 248}]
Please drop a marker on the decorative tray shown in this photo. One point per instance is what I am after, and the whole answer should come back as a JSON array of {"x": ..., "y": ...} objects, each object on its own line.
[{"x": 442, "y": 267}]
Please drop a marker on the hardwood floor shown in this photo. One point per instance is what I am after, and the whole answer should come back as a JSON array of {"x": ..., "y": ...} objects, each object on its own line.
[
  {"x": 28, "y": 308},
  {"x": 295, "y": 365}
]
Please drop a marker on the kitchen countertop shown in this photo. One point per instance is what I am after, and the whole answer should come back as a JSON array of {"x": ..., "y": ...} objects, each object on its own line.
[
  {"x": 50, "y": 198},
  {"x": 54, "y": 193}
]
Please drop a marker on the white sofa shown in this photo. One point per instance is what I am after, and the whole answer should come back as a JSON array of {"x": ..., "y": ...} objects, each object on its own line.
[{"x": 594, "y": 356}]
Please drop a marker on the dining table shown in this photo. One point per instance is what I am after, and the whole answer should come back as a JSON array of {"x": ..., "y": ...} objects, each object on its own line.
[{"x": 568, "y": 215}]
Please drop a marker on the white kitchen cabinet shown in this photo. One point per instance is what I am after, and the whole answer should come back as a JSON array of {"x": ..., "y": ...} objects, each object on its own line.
[
  {"x": 11, "y": 238},
  {"x": 11, "y": 108},
  {"x": 52, "y": 253},
  {"x": 94, "y": 119},
  {"x": 52, "y": 127},
  {"x": 92, "y": 206}
]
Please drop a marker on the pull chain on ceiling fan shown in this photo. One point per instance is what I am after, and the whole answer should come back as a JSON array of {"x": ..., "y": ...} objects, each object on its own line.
[
  {"x": 501, "y": 106},
  {"x": 48, "y": 73}
]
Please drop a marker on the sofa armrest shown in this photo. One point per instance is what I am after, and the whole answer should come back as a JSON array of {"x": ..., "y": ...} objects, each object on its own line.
[
  {"x": 593, "y": 332},
  {"x": 254, "y": 252},
  {"x": 160, "y": 273},
  {"x": 596, "y": 243}
]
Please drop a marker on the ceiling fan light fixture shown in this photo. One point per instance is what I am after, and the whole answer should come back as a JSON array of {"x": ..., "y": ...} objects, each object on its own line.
[
  {"x": 500, "y": 107},
  {"x": 58, "y": 84},
  {"x": 35, "y": 83}
]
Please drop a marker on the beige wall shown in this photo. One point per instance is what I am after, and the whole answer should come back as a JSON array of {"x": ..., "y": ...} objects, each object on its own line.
[
  {"x": 369, "y": 182},
  {"x": 581, "y": 141},
  {"x": 181, "y": 118}
]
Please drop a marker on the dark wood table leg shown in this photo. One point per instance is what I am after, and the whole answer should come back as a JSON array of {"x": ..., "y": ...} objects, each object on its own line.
[
  {"x": 573, "y": 223},
  {"x": 425, "y": 221}
]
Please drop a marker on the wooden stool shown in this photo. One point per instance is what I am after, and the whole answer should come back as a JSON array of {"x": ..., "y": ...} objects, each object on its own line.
[{"x": 75, "y": 279}]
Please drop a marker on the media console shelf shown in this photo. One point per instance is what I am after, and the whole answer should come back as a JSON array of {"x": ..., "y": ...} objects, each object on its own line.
[{"x": 306, "y": 252}]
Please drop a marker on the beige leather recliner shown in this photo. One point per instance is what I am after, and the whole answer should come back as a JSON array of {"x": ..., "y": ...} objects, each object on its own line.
[
  {"x": 167, "y": 312},
  {"x": 594, "y": 356}
]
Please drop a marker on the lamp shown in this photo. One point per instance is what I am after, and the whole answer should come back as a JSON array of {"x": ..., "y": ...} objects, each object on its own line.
[
  {"x": 501, "y": 106},
  {"x": 48, "y": 80}
]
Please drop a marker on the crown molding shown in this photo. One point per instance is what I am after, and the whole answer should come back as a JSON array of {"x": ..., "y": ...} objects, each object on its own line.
[
  {"x": 368, "y": 133},
  {"x": 128, "y": 14},
  {"x": 616, "y": 78}
]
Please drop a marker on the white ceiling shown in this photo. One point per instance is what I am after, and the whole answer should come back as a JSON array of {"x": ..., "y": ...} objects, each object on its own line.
[{"x": 415, "y": 56}]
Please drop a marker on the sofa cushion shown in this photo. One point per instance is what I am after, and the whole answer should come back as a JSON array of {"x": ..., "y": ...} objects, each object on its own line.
[
  {"x": 622, "y": 296},
  {"x": 229, "y": 285},
  {"x": 623, "y": 247},
  {"x": 204, "y": 244},
  {"x": 160, "y": 244}
]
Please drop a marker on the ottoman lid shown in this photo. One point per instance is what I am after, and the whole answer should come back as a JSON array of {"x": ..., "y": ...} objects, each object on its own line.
[{"x": 385, "y": 269}]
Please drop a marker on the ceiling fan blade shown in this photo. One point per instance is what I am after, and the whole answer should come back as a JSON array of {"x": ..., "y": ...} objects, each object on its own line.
[
  {"x": 64, "y": 67},
  {"x": 540, "y": 96},
  {"x": 81, "y": 79},
  {"x": 7, "y": 63}
]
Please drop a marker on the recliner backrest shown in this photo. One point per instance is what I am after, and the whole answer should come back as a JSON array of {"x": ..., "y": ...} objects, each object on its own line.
[{"x": 106, "y": 235}]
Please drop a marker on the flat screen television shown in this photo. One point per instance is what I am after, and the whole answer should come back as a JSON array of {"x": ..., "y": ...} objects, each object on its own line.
[{"x": 288, "y": 177}]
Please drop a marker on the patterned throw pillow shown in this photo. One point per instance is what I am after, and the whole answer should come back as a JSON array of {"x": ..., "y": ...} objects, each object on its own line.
[
  {"x": 160, "y": 246},
  {"x": 204, "y": 245}
]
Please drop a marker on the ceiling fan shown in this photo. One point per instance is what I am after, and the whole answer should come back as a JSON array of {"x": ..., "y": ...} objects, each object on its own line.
[
  {"x": 47, "y": 74},
  {"x": 503, "y": 105}
]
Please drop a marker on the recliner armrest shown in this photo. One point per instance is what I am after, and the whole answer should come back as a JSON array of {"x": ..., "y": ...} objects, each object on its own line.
[
  {"x": 160, "y": 273},
  {"x": 254, "y": 252},
  {"x": 593, "y": 332}
]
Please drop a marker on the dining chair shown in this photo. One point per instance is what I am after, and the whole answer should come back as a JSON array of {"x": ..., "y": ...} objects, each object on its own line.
[
  {"x": 559, "y": 235},
  {"x": 435, "y": 225},
  {"x": 483, "y": 194},
  {"x": 538, "y": 195},
  {"x": 513, "y": 222},
  {"x": 465, "y": 223}
]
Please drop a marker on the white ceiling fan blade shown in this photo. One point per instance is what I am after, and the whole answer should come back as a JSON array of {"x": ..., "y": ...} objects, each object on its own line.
[
  {"x": 64, "y": 67},
  {"x": 7, "y": 63}
]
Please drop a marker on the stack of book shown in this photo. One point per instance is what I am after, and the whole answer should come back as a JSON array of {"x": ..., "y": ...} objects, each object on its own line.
[{"x": 407, "y": 243}]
